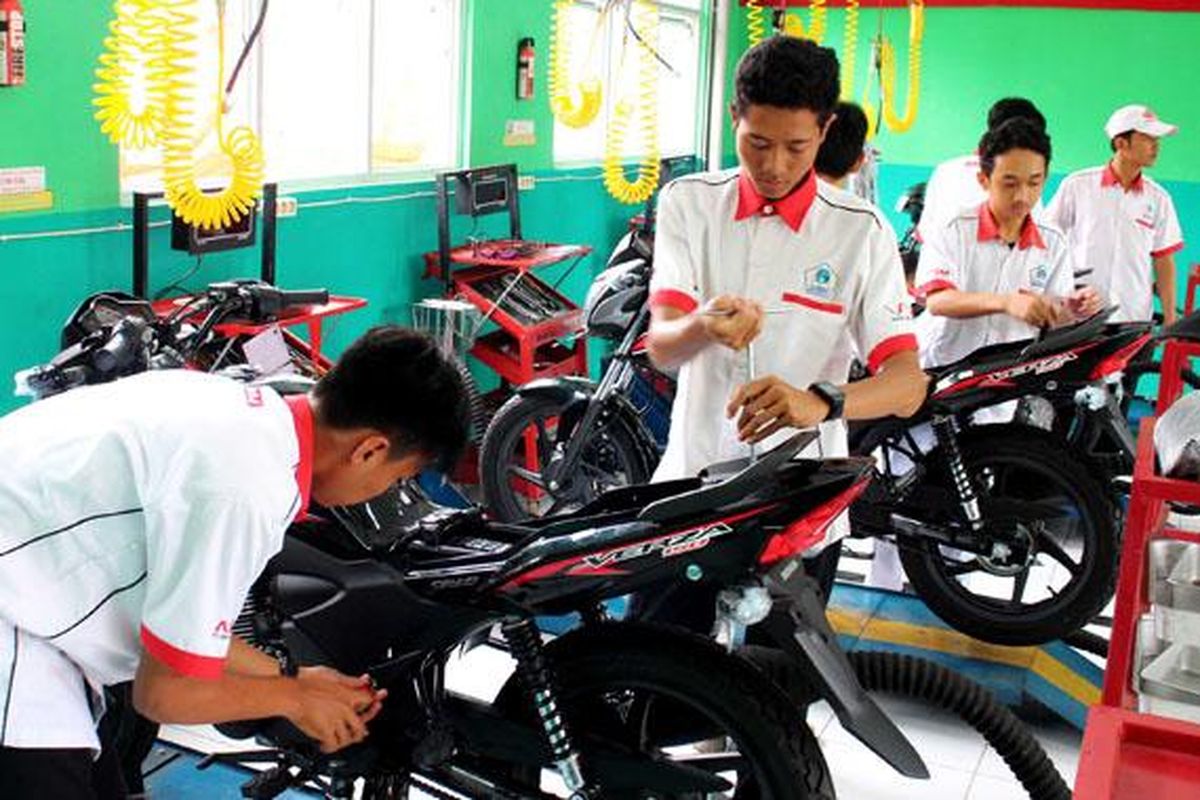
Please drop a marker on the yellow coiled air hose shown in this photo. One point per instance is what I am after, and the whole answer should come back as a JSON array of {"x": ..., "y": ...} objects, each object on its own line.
[
  {"x": 916, "y": 32},
  {"x": 850, "y": 49},
  {"x": 128, "y": 112},
  {"x": 756, "y": 16},
  {"x": 793, "y": 25},
  {"x": 575, "y": 106},
  {"x": 644, "y": 19},
  {"x": 165, "y": 35}
]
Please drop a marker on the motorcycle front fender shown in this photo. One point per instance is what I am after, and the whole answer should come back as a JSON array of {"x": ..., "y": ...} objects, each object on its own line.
[{"x": 798, "y": 626}]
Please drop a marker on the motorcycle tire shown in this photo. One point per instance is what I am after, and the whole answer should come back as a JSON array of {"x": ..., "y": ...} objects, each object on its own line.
[
  {"x": 1092, "y": 580},
  {"x": 698, "y": 678},
  {"x": 501, "y": 498}
]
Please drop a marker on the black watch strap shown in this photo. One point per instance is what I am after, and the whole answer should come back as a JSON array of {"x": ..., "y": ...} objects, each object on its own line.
[{"x": 833, "y": 397}]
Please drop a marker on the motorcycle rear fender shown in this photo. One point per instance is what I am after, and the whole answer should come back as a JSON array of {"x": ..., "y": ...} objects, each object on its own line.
[{"x": 798, "y": 626}]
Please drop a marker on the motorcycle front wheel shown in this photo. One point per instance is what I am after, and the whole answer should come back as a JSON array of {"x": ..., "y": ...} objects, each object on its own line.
[
  {"x": 526, "y": 433},
  {"x": 680, "y": 698}
]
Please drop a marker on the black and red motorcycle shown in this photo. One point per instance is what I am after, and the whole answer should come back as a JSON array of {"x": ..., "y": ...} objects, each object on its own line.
[
  {"x": 615, "y": 709},
  {"x": 1008, "y": 532}
]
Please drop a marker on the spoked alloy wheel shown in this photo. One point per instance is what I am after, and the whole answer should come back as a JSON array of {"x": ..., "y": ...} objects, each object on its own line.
[
  {"x": 693, "y": 706},
  {"x": 525, "y": 436},
  {"x": 1052, "y": 565}
]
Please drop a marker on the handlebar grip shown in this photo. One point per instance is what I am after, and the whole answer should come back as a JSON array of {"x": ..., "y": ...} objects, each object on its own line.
[
  {"x": 304, "y": 297},
  {"x": 121, "y": 347}
]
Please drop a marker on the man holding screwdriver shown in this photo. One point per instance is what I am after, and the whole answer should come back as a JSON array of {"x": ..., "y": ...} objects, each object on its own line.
[{"x": 767, "y": 258}]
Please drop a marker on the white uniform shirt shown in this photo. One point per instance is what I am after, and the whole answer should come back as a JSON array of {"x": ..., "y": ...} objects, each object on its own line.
[
  {"x": 967, "y": 254},
  {"x": 1117, "y": 234},
  {"x": 953, "y": 188},
  {"x": 821, "y": 256},
  {"x": 134, "y": 514}
]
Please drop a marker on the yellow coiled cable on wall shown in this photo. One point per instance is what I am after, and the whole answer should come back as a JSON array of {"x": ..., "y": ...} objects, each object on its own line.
[
  {"x": 165, "y": 35},
  {"x": 125, "y": 118},
  {"x": 793, "y": 25},
  {"x": 850, "y": 50},
  {"x": 644, "y": 18},
  {"x": 916, "y": 33},
  {"x": 756, "y": 16},
  {"x": 575, "y": 106}
]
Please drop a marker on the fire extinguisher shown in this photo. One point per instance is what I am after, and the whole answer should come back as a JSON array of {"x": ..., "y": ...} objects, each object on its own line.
[
  {"x": 12, "y": 43},
  {"x": 525, "y": 57}
]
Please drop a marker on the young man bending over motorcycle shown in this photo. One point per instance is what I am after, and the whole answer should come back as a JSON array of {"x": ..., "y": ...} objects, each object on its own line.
[
  {"x": 993, "y": 274},
  {"x": 767, "y": 282},
  {"x": 137, "y": 514}
]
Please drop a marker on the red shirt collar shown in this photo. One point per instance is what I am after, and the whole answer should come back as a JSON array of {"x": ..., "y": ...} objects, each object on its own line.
[
  {"x": 791, "y": 209},
  {"x": 302, "y": 417},
  {"x": 989, "y": 230},
  {"x": 1109, "y": 178}
]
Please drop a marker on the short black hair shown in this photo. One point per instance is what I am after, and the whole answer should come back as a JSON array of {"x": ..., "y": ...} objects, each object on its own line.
[
  {"x": 396, "y": 381},
  {"x": 1126, "y": 135},
  {"x": 787, "y": 72},
  {"x": 1020, "y": 133},
  {"x": 844, "y": 140},
  {"x": 1008, "y": 108}
]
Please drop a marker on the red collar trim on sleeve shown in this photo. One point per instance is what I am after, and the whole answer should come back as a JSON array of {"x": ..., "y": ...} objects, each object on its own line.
[
  {"x": 989, "y": 229},
  {"x": 302, "y": 417},
  {"x": 791, "y": 209}
]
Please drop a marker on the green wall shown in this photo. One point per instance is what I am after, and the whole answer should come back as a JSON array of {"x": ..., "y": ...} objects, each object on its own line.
[
  {"x": 48, "y": 121},
  {"x": 1078, "y": 66}
]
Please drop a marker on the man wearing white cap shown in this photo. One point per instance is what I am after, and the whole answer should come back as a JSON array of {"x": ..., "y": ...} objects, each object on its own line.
[{"x": 1122, "y": 225}]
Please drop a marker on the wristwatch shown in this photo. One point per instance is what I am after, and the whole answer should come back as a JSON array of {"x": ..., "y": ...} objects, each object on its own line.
[{"x": 833, "y": 397}]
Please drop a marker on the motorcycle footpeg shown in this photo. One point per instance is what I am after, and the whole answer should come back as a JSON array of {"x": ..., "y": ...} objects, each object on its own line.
[{"x": 798, "y": 626}]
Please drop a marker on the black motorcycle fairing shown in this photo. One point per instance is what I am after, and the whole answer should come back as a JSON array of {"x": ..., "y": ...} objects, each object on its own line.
[
  {"x": 1003, "y": 372},
  {"x": 332, "y": 609}
]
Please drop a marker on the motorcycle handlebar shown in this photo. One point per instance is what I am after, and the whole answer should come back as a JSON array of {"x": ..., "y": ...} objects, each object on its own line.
[{"x": 121, "y": 347}]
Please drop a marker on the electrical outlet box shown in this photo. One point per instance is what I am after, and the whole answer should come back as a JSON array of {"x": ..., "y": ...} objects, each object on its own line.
[
  {"x": 286, "y": 207},
  {"x": 525, "y": 183}
]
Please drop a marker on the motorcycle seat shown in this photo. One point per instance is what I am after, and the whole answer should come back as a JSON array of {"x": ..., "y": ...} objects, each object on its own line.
[{"x": 731, "y": 490}]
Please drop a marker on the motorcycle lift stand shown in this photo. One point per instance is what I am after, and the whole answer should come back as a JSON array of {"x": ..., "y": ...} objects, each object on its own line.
[{"x": 1055, "y": 675}]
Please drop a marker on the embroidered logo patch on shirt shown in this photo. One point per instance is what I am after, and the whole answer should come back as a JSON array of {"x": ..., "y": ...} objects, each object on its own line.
[
  {"x": 1039, "y": 276},
  {"x": 821, "y": 281}
]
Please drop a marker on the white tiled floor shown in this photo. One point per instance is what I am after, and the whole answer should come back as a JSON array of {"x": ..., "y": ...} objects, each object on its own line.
[{"x": 961, "y": 764}]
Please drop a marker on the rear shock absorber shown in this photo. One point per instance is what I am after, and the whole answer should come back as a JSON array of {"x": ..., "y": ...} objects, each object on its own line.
[
  {"x": 947, "y": 438},
  {"x": 526, "y": 645}
]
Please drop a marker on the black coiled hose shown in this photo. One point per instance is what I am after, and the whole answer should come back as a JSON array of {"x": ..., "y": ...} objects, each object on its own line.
[{"x": 906, "y": 675}]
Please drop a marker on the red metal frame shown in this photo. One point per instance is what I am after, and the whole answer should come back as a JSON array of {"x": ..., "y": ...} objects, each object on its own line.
[
  {"x": 1127, "y": 754},
  {"x": 1138, "y": 756},
  {"x": 312, "y": 316},
  {"x": 1095, "y": 5}
]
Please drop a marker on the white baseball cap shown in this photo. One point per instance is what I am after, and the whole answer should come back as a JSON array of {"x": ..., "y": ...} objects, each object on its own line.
[{"x": 1137, "y": 118}]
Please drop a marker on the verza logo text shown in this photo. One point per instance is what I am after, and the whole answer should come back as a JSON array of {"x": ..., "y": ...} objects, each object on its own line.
[
  {"x": 1037, "y": 367},
  {"x": 669, "y": 546}
]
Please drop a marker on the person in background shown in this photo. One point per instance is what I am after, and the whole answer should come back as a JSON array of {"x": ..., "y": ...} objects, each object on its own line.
[
  {"x": 842, "y": 152},
  {"x": 1121, "y": 225},
  {"x": 994, "y": 274},
  {"x": 954, "y": 184}
]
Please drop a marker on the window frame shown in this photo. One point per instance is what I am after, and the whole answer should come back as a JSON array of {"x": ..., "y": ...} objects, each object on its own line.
[{"x": 254, "y": 77}]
